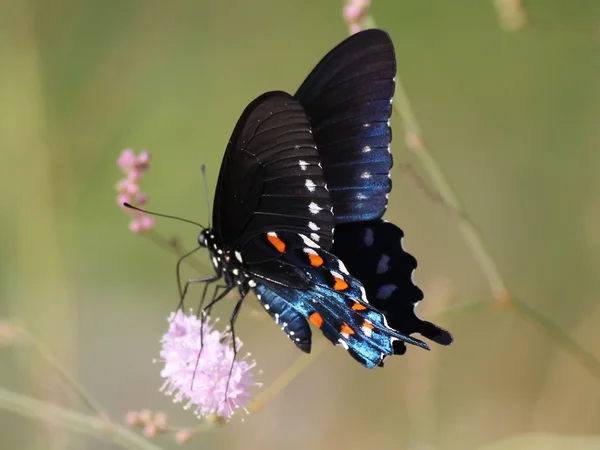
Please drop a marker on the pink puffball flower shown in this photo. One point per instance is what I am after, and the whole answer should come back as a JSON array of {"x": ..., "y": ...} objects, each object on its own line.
[{"x": 202, "y": 380}]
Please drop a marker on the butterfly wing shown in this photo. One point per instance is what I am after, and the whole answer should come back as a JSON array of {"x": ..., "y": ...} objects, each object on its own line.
[
  {"x": 291, "y": 322},
  {"x": 348, "y": 99},
  {"x": 271, "y": 177},
  {"x": 332, "y": 299},
  {"x": 386, "y": 271}
]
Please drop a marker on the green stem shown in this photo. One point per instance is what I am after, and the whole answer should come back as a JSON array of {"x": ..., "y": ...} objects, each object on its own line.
[
  {"x": 86, "y": 398},
  {"x": 286, "y": 378},
  {"x": 461, "y": 310},
  {"x": 557, "y": 335},
  {"x": 75, "y": 421}
]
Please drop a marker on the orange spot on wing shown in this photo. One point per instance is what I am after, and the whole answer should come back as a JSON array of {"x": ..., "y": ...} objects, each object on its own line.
[
  {"x": 346, "y": 329},
  {"x": 276, "y": 242},
  {"x": 367, "y": 324},
  {"x": 358, "y": 306},
  {"x": 316, "y": 319},
  {"x": 315, "y": 260},
  {"x": 340, "y": 284}
]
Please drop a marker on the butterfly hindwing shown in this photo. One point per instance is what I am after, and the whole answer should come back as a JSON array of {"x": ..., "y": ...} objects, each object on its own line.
[
  {"x": 293, "y": 323},
  {"x": 334, "y": 301},
  {"x": 348, "y": 98},
  {"x": 374, "y": 253}
]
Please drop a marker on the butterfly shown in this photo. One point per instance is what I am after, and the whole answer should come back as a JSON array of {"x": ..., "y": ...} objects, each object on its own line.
[{"x": 301, "y": 170}]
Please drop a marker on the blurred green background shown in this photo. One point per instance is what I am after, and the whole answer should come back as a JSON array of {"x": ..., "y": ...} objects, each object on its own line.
[{"x": 511, "y": 116}]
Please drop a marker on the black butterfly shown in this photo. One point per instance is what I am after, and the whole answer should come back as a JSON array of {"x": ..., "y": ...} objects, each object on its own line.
[{"x": 299, "y": 170}]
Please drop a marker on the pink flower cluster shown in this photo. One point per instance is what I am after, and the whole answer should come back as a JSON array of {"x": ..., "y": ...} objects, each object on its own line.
[
  {"x": 214, "y": 391},
  {"x": 128, "y": 188},
  {"x": 354, "y": 12}
]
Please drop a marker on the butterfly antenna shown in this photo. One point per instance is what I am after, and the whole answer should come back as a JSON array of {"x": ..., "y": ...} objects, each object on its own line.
[
  {"x": 130, "y": 206},
  {"x": 205, "y": 178}
]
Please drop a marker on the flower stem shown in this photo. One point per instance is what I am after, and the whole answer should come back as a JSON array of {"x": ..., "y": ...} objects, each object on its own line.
[
  {"x": 286, "y": 378},
  {"x": 461, "y": 310},
  {"x": 560, "y": 337},
  {"x": 86, "y": 398},
  {"x": 102, "y": 428}
]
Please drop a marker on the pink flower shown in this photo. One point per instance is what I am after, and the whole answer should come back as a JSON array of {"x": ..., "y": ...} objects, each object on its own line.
[
  {"x": 123, "y": 198},
  {"x": 354, "y": 12},
  {"x": 214, "y": 390},
  {"x": 126, "y": 159},
  {"x": 128, "y": 188},
  {"x": 143, "y": 159}
]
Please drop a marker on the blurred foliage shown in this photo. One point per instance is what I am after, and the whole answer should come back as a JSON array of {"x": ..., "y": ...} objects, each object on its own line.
[{"x": 511, "y": 116}]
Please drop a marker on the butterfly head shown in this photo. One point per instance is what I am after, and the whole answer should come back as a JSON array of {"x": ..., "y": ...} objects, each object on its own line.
[{"x": 204, "y": 237}]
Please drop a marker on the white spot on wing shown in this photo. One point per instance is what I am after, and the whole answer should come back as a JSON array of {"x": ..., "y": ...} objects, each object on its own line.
[
  {"x": 310, "y": 185},
  {"x": 302, "y": 164},
  {"x": 343, "y": 344},
  {"x": 382, "y": 265},
  {"x": 267, "y": 307},
  {"x": 366, "y": 149},
  {"x": 385, "y": 291},
  {"x": 313, "y": 226},
  {"x": 315, "y": 237},
  {"x": 308, "y": 242},
  {"x": 342, "y": 267},
  {"x": 367, "y": 331},
  {"x": 314, "y": 208},
  {"x": 309, "y": 251},
  {"x": 252, "y": 283},
  {"x": 272, "y": 234},
  {"x": 363, "y": 294},
  {"x": 336, "y": 274},
  {"x": 238, "y": 256},
  {"x": 366, "y": 175}
]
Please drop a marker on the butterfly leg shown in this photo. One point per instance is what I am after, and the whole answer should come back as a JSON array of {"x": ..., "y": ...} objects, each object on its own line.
[
  {"x": 215, "y": 294},
  {"x": 183, "y": 292},
  {"x": 204, "y": 313},
  {"x": 232, "y": 319},
  {"x": 178, "y": 276}
]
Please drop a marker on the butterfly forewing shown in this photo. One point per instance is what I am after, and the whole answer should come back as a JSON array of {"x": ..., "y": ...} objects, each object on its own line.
[
  {"x": 271, "y": 177},
  {"x": 348, "y": 99}
]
